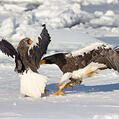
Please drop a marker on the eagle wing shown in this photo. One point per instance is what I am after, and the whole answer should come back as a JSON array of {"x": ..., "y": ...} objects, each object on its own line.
[
  {"x": 36, "y": 53},
  {"x": 109, "y": 57},
  {"x": 7, "y": 48},
  {"x": 113, "y": 57}
]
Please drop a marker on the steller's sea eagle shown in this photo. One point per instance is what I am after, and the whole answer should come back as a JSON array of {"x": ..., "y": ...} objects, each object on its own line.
[
  {"x": 83, "y": 63},
  {"x": 27, "y": 62}
]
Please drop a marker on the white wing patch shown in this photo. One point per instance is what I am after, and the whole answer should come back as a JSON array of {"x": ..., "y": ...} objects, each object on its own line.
[
  {"x": 89, "y": 48},
  {"x": 79, "y": 74},
  {"x": 88, "y": 70}
]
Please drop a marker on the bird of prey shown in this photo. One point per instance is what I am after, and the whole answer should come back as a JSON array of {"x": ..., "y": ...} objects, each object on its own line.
[
  {"x": 27, "y": 62},
  {"x": 83, "y": 63}
]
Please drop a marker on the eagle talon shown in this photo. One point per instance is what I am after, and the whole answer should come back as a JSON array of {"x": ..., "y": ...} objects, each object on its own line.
[
  {"x": 68, "y": 85},
  {"x": 58, "y": 92}
]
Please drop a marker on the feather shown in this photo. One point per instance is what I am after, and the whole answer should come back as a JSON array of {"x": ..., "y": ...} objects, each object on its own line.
[
  {"x": 32, "y": 84},
  {"x": 7, "y": 48},
  {"x": 36, "y": 53},
  {"x": 112, "y": 57}
]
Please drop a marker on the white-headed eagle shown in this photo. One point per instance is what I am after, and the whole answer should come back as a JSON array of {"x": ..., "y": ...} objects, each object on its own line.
[{"x": 27, "y": 62}]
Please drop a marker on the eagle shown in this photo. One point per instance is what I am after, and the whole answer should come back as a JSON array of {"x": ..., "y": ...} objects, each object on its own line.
[
  {"x": 83, "y": 63},
  {"x": 27, "y": 57}
]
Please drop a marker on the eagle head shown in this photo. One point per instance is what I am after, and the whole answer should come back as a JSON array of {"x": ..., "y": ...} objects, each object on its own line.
[
  {"x": 24, "y": 45},
  {"x": 25, "y": 42},
  {"x": 58, "y": 59}
]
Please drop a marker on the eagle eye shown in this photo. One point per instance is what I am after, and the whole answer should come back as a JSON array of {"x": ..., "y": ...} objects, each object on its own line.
[{"x": 29, "y": 41}]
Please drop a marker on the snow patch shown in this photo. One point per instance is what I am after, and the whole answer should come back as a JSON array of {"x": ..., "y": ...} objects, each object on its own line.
[
  {"x": 7, "y": 27},
  {"x": 16, "y": 8},
  {"x": 114, "y": 116}
]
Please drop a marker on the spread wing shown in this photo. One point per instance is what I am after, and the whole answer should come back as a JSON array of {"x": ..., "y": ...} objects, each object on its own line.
[
  {"x": 113, "y": 58},
  {"x": 36, "y": 53},
  {"x": 7, "y": 48},
  {"x": 110, "y": 57}
]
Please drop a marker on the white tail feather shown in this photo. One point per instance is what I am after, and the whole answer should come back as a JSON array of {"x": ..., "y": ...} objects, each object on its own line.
[{"x": 32, "y": 84}]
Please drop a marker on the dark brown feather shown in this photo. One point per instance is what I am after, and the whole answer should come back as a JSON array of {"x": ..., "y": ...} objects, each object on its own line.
[
  {"x": 112, "y": 58},
  {"x": 7, "y": 48},
  {"x": 69, "y": 63},
  {"x": 40, "y": 49}
]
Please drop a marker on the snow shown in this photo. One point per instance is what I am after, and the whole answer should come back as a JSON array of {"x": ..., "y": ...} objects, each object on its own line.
[
  {"x": 74, "y": 14},
  {"x": 73, "y": 25},
  {"x": 9, "y": 25}
]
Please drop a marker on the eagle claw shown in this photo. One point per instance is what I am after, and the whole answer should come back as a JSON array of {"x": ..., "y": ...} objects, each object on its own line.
[
  {"x": 68, "y": 85},
  {"x": 58, "y": 92}
]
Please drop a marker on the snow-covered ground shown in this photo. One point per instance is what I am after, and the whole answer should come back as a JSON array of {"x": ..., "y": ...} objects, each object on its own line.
[{"x": 73, "y": 24}]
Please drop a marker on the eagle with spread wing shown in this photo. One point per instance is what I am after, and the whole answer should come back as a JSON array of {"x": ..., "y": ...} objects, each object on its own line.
[
  {"x": 83, "y": 63},
  {"x": 27, "y": 62}
]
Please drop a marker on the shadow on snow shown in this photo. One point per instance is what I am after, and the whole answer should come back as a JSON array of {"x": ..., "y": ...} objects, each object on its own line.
[{"x": 86, "y": 89}]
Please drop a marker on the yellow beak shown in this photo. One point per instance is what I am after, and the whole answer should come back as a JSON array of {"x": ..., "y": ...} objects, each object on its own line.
[
  {"x": 42, "y": 62},
  {"x": 30, "y": 42}
]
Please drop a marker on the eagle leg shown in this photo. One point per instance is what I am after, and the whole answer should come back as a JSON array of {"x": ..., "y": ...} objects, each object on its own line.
[
  {"x": 46, "y": 90},
  {"x": 58, "y": 92},
  {"x": 68, "y": 85}
]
